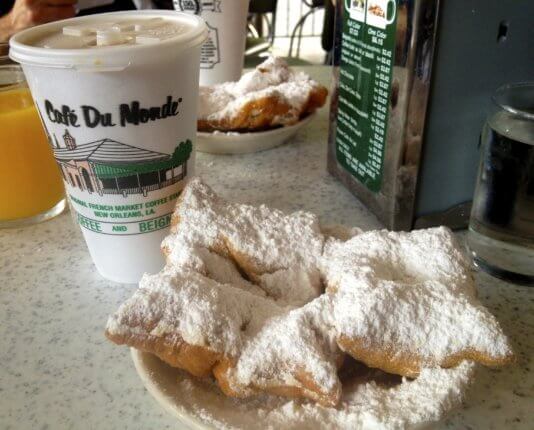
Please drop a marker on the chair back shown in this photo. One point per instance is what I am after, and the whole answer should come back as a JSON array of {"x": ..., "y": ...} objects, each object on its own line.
[
  {"x": 315, "y": 3},
  {"x": 262, "y": 6}
]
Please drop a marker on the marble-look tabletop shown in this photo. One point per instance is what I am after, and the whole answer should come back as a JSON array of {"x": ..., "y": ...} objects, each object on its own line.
[{"x": 57, "y": 370}]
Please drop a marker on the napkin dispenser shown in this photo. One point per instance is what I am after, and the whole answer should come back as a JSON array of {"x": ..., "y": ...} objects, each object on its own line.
[{"x": 412, "y": 83}]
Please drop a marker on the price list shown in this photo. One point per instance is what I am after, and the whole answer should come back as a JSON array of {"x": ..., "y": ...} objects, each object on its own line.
[{"x": 366, "y": 68}]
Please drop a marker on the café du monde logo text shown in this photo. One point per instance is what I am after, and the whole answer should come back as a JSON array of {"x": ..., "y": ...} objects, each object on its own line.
[{"x": 107, "y": 166}]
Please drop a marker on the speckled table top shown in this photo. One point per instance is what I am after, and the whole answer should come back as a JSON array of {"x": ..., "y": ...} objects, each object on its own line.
[{"x": 58, "y": 371}]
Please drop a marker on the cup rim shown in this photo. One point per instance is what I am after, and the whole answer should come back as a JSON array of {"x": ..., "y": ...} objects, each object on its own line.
[
  {"x": 22, "y": 52},
  {"x": 504, "y": 90}
]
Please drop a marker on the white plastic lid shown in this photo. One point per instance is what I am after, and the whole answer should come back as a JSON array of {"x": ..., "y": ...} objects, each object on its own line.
[{"x": 133, "y": 39}]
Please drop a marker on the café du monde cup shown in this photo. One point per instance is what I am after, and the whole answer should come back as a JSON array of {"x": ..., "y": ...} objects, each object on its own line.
[
  {"x": 223, "y": 52},
  {"x": 117, "y": 94}
]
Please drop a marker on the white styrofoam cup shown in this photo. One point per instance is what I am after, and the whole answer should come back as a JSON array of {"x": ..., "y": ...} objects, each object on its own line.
[{"x": 122, "y": 123}]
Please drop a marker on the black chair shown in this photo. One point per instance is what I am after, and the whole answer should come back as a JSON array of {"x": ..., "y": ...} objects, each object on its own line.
[
  {"x": 257, "y": 41},
  {"x": 314, "y": 6},
  {"x": 327, "y": 37}
]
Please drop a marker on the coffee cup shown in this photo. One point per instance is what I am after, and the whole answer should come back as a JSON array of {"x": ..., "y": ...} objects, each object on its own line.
[
  {"x": 117, "y": 94},
  {"x": 222, "y": 53}
]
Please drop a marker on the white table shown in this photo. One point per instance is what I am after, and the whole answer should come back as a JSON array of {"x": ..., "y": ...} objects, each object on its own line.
[{"x": 57, "y": 370}]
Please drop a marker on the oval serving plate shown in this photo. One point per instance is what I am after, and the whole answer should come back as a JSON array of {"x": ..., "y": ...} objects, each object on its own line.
[
  {"x": 198, "y": 404},
  {"x": 245, "y": 143}
]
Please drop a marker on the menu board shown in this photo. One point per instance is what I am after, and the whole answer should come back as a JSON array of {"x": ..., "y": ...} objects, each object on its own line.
[{"x": 366, "y": 68}]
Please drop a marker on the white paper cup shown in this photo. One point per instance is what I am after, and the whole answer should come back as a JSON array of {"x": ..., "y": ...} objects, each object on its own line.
[
  {"x": 122, "y": 122},
  {"x": 223, "y": 53}
]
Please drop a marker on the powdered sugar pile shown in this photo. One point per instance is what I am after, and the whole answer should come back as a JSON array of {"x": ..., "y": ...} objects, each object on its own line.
[
  {"x": 370, "y": 400},
  {"x": 421, "y": 255},
  {"x": 272, "y": 78}
]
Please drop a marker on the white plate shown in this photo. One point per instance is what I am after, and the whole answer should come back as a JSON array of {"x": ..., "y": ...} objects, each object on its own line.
[{"x": 244, "y": 143}]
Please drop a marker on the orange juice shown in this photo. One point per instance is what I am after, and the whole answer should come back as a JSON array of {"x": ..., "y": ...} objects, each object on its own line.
[{"x": 30, "y": 182}]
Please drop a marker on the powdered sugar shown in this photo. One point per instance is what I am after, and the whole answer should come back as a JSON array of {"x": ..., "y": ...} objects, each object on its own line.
[
  {"x": 431, "y": 254},
  {"x": 370, "y": 400},
  {"x": 295, "y": 286}
]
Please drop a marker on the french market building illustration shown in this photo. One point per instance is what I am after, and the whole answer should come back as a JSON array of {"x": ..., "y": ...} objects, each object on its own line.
[{"x": 110, "y": 167}]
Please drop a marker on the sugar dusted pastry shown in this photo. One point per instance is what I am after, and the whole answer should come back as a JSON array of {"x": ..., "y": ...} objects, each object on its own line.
[
  {"x": 416, "y": 304},
  {"x": 265, "y": 302},
  {"x": 271, "y": 95},
  {"x": 289, "y": 355},
  {"x": 258, "y": 239}
]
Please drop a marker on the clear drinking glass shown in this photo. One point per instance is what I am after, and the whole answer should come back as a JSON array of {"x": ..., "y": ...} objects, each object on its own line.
[
  {"x": 31, "y": 189},
  {"x": 501, "y": 228}
]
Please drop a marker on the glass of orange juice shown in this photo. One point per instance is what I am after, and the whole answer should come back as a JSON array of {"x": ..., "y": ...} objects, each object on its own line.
[{"x": 31, "y": 189}]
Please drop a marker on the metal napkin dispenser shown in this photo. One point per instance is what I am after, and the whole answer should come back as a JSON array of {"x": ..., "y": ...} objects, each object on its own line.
[{"x": 412, "y": 83}]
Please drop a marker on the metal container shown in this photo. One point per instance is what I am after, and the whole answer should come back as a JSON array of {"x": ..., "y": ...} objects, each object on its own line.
[{"x": 413, "y": 80}]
